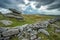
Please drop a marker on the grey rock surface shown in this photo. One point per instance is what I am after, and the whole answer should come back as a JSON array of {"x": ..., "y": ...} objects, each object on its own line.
[
  {"x": 6, "y": 22},
  {"x": 10, "y": 32}
]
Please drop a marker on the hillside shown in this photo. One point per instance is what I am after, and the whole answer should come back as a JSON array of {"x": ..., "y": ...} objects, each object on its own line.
[
  {"x": 27, "y": 19},
  {"x": 31, "y": 19}
]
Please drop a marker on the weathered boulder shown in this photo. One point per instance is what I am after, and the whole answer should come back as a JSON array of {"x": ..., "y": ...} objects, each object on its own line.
[
  {"x": 43, "y": 31},
  {"x": 10, "y": 32},
  {"x": 6, "y": 22}
]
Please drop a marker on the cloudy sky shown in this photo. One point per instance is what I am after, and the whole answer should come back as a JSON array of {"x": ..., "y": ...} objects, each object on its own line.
[{"x": 48, "y": 7}]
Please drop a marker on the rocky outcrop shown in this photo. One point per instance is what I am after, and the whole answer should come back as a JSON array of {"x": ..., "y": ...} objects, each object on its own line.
[
  {"x": 14, "y": 14},
  {"x": 27, "y": 31}
]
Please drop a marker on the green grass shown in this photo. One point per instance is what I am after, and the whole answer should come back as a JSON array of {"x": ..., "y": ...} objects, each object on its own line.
[
  {"x": 28, "y": 19},
  {"x": 53, "y": 34}
]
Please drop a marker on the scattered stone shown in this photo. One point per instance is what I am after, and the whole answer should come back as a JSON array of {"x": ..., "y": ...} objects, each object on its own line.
[{"x": 6, "y": 22}]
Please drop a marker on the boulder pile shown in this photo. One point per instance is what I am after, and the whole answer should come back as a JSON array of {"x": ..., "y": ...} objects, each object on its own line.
[{"x": 26, "y": 32}]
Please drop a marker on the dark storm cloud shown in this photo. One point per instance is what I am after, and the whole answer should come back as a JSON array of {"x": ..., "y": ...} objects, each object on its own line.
[
  {"x": 43, "y": 2},
  {"x": 59, "y": 9},
  {"x": 10, "y": 3},
  {"x": 38, "y": 5},
  {"x": 3, "y": 3},
  {"x": 54, "y": 5}
]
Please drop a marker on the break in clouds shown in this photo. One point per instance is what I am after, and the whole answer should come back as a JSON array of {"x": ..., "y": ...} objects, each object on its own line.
[{"x": 51, "y": 4}]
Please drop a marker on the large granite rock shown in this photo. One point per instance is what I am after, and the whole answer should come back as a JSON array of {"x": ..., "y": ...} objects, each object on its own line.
[
  {"x": 6, "y": 22},
  {"x": 10, "y": 32},
  {"x": 15, "y": 14}
]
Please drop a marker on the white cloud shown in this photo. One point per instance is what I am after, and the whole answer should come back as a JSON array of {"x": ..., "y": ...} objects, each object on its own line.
[
  {"x": 33, "y": 4},
  {"x": 4, "y": 11},
  {"x": 22, "y": 7},
  {"x": 30, "y": 10},
  {"x": 43, "y": 8},
  {"x": 26, "y": 1},
  {"x": 51, "y": 12}
]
